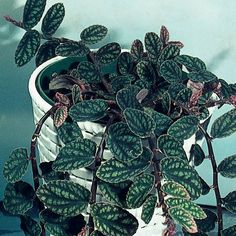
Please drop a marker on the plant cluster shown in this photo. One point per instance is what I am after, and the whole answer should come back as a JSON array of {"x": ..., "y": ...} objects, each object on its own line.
[{"x": 150, "y": 99}]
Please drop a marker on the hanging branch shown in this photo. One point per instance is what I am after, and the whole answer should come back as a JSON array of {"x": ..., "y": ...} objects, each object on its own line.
[{"x": 215, "y": 179}]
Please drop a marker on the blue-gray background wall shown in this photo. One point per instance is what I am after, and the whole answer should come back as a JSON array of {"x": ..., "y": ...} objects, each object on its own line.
[{"x": 207, "y": 29}]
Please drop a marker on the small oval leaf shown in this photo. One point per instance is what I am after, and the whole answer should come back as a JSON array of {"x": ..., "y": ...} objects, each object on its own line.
[
  {"x": 30, "y": 226},
  {"x": 148, "y": 208},
  {"x": 230, "y": 202},
  {"x": 176, "y": 190},
  {"x": 230, "y": 231},
  {"x": 170, "y": 71},
  {"x": 137, "y": 50},
  {"x": 227, "y": 167},
  {"x": 202, "y": 76}
]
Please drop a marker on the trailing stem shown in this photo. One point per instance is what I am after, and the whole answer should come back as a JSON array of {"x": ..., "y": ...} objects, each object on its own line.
[
  {"x": 215, "y": 179},
  {"x": 98, "y": 160},
  {"x": 33, "y": 156}
]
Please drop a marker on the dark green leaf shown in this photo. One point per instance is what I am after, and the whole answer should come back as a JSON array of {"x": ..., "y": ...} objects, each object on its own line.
[
  {"x": 145, "y": 71},
  {"x": 115, "y": 193},
  {"x": 89, "y": 72},
  {"x": 230, "y": 202},
  {"x": 16, "y": 166},
  {"x": 55, "y": 229},
  {"x": 53, "y": 19},
  {"x": 148, "y": 208},
  {"x": 75, "y": 93},
  {"x": 191, "y": 207},
  {"x": 125, "y": 63},
  {"x": 197, "y": 154},
  {"x": 171, "y": 147},
  {"x": 93, "y": 34},
  {"x": 205, "y": 187},
  {"x": 225, "y": 89},
  {"x": 191, "y": 63},
  {"x": 33, "y": 12},
  {"x": 121, "y": 82},
  {"x": 113, "y": 221},
  {"x": 231, "y": 231},
  {"x": 184, "y": 96},
  {"x": 162, "y": 121},
  {"x": 176, "y": 190},
  {"x": 207, "y": 224},
  {"x": 97, "y": 233},
  {"x": 184, "y": 127},
  {"x": 122, "y": 143},
  {"x": 30, "y": 226},
  {"x": 126, "y": 98},
  {"x": 18, "y": 197},
  {"x": 71, "y": 49},
  {"x": 139, "y": 190},
  {"x": 178, "y": 170},
  {"x": 88, "y": 110},
  {"x": 60, "y": 116},
  {"x": 171, "y": 72},
  {"x": 69, "y": 131},
  {"x": 202, "y": 76},
  {"x": 153, "y": 46},
  {"x": 169, "y": 52},
  {"x": 174, "y": 89},
  {"x": 114, "y": 171},
  {"x": 46, "y": 51},
  {"x": 108, "y": 53},
  {"x": 75, "y": 154},
  {"x": 27, "y": 47},
  {"x": 64, "y": 197},
  {"x": 137, "y": 49},
  {"x": 139, "y": 122},
  {"x": 143, "y": 84},
  {"x": 225, "y": 125},
  {"x": 183, "y": 218}
]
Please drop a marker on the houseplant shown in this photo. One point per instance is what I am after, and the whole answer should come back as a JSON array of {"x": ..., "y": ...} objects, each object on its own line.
[{"x": 146, "y": 102}]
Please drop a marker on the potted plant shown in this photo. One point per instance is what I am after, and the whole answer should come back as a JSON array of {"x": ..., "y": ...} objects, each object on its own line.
[{"x": 111, "y": 130}]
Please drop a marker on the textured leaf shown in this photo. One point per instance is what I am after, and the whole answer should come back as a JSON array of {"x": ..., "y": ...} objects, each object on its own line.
[
  {"x": 197, "y": 154},
  {"x": 75, "y": 154},
  {"x": 191, "y": 63},
  {"x": 148, "y": 208},
  {"x": 69, "y": 131},
  {"x": 202, "y": 76},
  {"x": 139, "y": 122},
  {"x": 171, "y": 72},
  {"x": 183, "y": 218},
  {"x": 176, "y": 190},
  {"x": 33, "y": 12},
  {"x": 121, "y": 82},
  {"x": 184, "y": 96},
  {"x": 88, "y": 110},
  {"x": 27, "y": 47},
  {"x": 230, "y": 202},
  {"x": 126, "y": 98},
  {"x": 16, "y": 166},
  {"x": 225, "y": 125},
  {"x": 108, "y": 53},
  {"x": 184, "y": 127},
  {"x": 60, "y": 116},
  {"x": 174, "y": 89},
  {"x": 54, "y": 229},
  {"x": 125, "y": 63},
  {"x": 64, "y": 197},
  {"x": 71, "y": 49},
  {"x": 191, "y": 207},
  {"x": 139, "y": 190},
  {"x": 93, "y": 34},
  {"x": 46, "y": 51},
  {"x": 18, "y": 197},
  {"x": 123, "y": 144},
  {"x": 96, "y": 233},
  {"x": 171, "y": 147},
  {"x": 205, "y": 187},
  {"x": 207, "y": 224},
  {"x": 89, "y": 72},
  {"x": 137, "y": 49},
  {"x": 153, "y": 46},
  {"x": 30, "y": 226},
  {"x": 113, "y": 221},
  {"x": 179, "y": 171},
  {"x": 169, "y": 52},
  {"x": 75, "y": 93},
  {"x": 115, "y": 193},
  {"x": 114, "y": 171},
  {"x": 230, "y": 231},
  {"x": 53, "y": 19},
  {"x": 162, "y": 121},
  {"x": 145, "y": 71}
]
